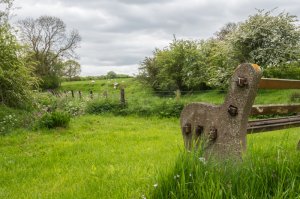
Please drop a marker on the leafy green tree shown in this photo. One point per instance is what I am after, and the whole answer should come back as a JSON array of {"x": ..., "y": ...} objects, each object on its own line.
[
  {"x": 111, "y": 75},
  {"x": 5, "y": 8},
  {"x": 266, "y": 39},
  {"x": 71, "y": 68},
  {"x": 174, "y": 67},
  {"x": 48, "y": 44},
  {"x": 16, "y": 79}
]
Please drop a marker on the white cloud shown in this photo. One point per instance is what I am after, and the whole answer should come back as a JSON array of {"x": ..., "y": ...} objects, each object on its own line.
[{"x": 118, "y": 34}]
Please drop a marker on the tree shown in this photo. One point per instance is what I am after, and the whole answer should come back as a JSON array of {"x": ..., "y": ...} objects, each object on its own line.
[
  {"x": 16, "y": 79},
  {"x": 178, "y": 66},
  {"x": 266, "y": 39},
  {"x": 111, "y": 75},
  {"x": 71, "y": 68},
  {"x": 48, "y": 43},
  {"x": 226, "y": 30},
  {"x": 6, "y": 6}
]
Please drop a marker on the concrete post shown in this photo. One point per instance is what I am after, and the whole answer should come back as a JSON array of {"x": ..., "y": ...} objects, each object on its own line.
[{"x": 221, "y": 130}]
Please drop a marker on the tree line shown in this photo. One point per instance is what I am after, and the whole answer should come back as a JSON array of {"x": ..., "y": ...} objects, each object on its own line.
[
  {"x": 34, "y": 54},
  {"x": 267, "y": 39}
]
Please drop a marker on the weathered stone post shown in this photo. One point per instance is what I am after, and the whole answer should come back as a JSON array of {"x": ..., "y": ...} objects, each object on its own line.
[{"x": 221, "y": 130}]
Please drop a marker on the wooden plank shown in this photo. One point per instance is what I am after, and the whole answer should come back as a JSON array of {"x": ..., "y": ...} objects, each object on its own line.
[
  {"x": 275, "y": 109},
  {"x": 270, "y": 83},
  {"x": 273, "y": 124},
  {"x": 272, "y": 127},
  {"x": 275, "y": 119}
]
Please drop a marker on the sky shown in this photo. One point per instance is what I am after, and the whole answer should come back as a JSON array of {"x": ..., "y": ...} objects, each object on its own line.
[{"x": 118, "y": 34}]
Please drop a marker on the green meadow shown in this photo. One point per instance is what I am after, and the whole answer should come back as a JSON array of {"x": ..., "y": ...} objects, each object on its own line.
[
  {"x": 114, "y": 156},
  {"x": 124, "y": 157}
]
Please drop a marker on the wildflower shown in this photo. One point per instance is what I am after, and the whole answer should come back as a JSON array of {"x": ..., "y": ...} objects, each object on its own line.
[
  {"x": 143, "y": 196},
  {"x": 155, "y": 185},
  {"x": 202, "y": 159},
  {"x": 176, "y": 176},
  {"x": 190, "y": 175}
]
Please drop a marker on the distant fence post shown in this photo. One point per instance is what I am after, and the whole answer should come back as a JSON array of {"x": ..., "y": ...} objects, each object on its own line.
[
  {"x": 122, "y": 96},
  {"x": 91, "y": 94},
  {"x": 105, "y": 94},
  {"x": 79, "y": 93},
  {"x": 72, "y": 93},
  {"x": 298, "y": 146}
]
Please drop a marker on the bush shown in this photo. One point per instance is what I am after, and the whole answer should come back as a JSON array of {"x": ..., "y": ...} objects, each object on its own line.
[
  {"x": 16, "y": 80},
  {"x": 11, "y": 119},
  {"x": 74, "y": 107},
  {"x": 291, "y": 71},
  {"x": 170, "y": 109},
  {"x": 54, "y": 119},
  {"x": 104, "y": 106},
  {"x": 50, "y": 82}
]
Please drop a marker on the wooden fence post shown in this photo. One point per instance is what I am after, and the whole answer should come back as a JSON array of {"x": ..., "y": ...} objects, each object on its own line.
[
  {"x": 105, "y": 94},
  {"x": 72, "y": 93},
  {"x": 91, "y": 94},
  {"x": 79, "y": 93},
  {"x": 122, "y": 96}
]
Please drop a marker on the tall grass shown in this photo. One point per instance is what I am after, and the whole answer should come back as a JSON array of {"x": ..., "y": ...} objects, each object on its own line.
[{"x": 270, "y": 173}]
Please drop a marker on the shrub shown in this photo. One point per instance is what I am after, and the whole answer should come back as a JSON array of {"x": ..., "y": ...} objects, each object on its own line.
[
  {"x": 291, "y": 71},
  {"x": 104, "y": 106},
  {"x": 50, "y": 82},
  {"x": 74, "y": 107},
  {"x": 54, "y": 119},
  {"x": 11, "y": 119},
  {"x": 170, "y": 109},
  {"x": 16, "y": 80}
]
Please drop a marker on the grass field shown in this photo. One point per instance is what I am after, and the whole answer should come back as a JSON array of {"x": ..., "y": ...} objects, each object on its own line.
[
  {"x": 97, "y": 157},
  {"x": 110, "y": 157},
  {"x": 135, "y": 91}
]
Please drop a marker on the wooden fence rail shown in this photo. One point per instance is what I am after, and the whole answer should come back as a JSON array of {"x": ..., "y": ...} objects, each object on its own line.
[{"x": 270, "y": 83}]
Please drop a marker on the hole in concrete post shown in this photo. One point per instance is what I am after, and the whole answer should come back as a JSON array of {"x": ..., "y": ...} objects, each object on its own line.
[
  {"x": 199, "y": 130},
  {"x": 213, "y": 134},
  {"x": 187, "y": 128},
  {"x": 241, "y": 82},
  {"x": 232, "y": 110}
]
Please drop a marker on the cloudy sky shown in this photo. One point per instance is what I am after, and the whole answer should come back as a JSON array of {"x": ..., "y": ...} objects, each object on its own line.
[{"x": 118, "y": 34}]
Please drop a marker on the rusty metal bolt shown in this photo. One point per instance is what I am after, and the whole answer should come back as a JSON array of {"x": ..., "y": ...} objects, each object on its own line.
[
  {"x": 213, "y": 134},
  {"x": 241, "y": 82},
  {"x": 187, "y": 129},
  {"x": 232, "y": 110}
]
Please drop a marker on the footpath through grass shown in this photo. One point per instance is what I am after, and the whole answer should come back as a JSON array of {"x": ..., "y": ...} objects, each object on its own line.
[{"x": 121, "y": 157}]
